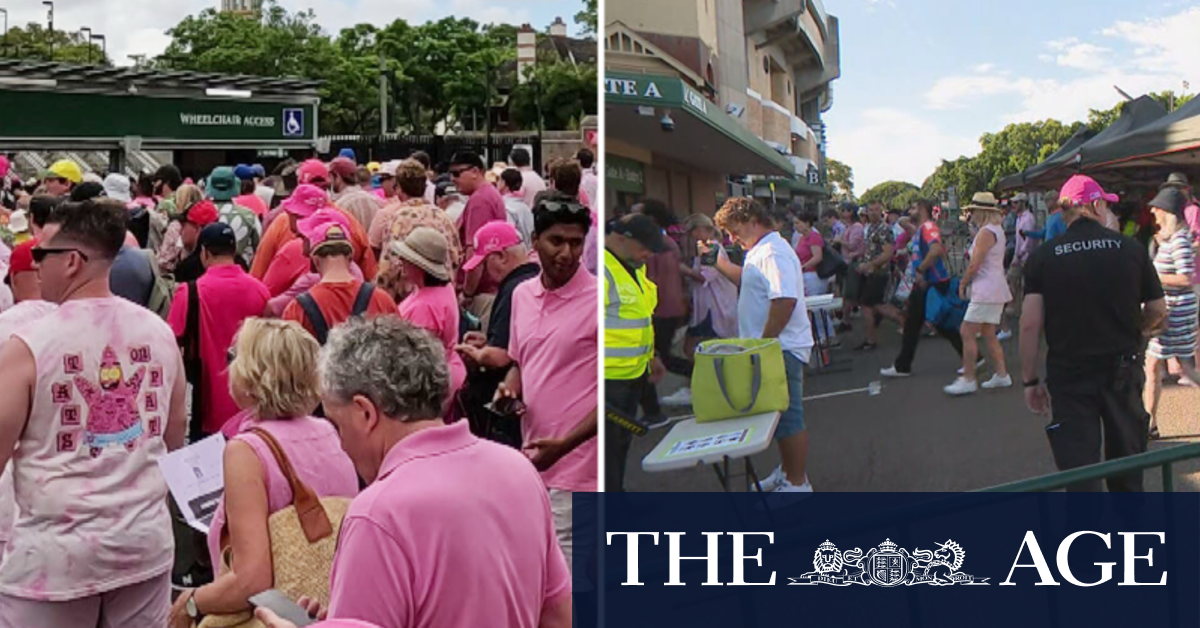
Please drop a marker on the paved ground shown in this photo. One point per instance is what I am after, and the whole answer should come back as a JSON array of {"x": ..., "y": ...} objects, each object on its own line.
[{"x": 912, "y": 437}]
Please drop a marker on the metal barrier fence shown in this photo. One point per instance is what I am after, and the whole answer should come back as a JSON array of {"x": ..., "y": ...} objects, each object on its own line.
[{"x": 1163, "y": 458}]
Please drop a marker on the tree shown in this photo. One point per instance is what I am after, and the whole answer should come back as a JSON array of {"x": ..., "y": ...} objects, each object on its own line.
[
  {"x": 588, "y": 17},
  {"x": 893, "y": 194},
  {"x": 841, "y": 177},
  {"x": 33, "y": 42},
  {"x": 566, "y": 93}
]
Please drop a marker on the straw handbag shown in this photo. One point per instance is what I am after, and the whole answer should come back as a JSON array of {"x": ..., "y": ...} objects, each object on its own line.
[{"x": 303, "y": 540}]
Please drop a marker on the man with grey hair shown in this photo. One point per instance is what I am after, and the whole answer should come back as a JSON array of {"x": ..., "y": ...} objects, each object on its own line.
[{"x": 448, "y": 517}]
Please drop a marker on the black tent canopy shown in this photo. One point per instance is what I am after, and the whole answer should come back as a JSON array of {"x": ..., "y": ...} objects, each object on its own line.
[
  {"x": 1171, "y": 141},
  {"x": 1063, "y": 153},
  {"x": 1137, "y": 114}
]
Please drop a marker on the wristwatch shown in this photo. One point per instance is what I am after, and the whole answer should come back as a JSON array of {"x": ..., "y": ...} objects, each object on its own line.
[{"x": 192, "y": 610}]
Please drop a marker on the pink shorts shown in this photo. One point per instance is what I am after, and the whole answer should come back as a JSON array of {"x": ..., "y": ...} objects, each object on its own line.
[{"x": 142, "y": 605}]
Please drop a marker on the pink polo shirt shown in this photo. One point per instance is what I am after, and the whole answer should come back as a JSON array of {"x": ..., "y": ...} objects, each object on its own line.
[
  {"x": 455, "y": 532},
  {"x": 228, "y": 296},
  {"x": 436, "y": 309},
  {"x": 554, "y": 340}
]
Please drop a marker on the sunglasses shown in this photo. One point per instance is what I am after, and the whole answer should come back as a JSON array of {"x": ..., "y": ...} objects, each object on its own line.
[
  {"x": 554, "y": 206},
  {"x": 40, "y": 253},
  {"x": 458, "y": 173}
]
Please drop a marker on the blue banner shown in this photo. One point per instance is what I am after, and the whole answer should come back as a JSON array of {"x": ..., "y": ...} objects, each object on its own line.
[{"x": 887, "y": 559}]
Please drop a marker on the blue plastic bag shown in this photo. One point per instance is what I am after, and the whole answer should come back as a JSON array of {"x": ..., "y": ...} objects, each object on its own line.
[{"x": 945, "y": 311}]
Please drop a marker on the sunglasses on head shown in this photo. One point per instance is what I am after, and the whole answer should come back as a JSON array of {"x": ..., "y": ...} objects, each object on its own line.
[
  {"x": 40, "y": 253},
  {"x": 554, "y": 206}
]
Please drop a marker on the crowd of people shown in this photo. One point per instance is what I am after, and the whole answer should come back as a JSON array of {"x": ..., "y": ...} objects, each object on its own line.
[
  {"x": 886, "y": 264},
  {"x": 412, "y": 346}
]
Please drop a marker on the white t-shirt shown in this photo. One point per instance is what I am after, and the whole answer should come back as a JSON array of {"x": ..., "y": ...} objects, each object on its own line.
[
  {"x": 520, "y": 217},
  {"x": 772, "y": 271}
]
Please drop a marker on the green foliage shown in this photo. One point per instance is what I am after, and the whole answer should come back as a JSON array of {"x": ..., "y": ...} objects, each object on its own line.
[
  {"x": 841, "y": 177},
  {"x": 566, "y": 93},
  {"x": 31, "y": 42},
  {"x": 1012, "y": 150},
  {"x": 588, "y": 17},
  {"x": 893, "y": 194}
]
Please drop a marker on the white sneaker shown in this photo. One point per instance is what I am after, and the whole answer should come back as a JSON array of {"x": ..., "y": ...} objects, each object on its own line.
[
  {"x": 1003, "y": 335},
  {"x": 997, "y": 382},
  {"x": 978, "y": 365},
  {"x": 961, "y": 387},
  {"x": 681, "y": 397},
  {"x": 892, "y": 372},
  {"x": 787, "y": 487},
  {"x": 772, "y": 482}
]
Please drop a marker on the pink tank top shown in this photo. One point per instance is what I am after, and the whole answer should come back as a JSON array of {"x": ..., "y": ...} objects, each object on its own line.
[
  {"x": 92, "y": 502},
  {"x": 990, "y": 285},
  {"x": 315, "y": 451},
  {"x": 11, "y": 320}
]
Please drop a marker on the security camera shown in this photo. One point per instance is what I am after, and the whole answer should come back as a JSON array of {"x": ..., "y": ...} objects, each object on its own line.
[{"x": 668, "y": 124}]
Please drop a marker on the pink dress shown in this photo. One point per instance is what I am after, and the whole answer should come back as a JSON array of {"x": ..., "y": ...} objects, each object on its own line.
[
  {"x": 313, "y": 448},
  {"x": 990, "y": 284},
  {"x": 92, "y": 502}
]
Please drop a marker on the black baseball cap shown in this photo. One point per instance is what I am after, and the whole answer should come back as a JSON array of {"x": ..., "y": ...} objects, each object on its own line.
[
  {"x": 218, "y": 235},
  {"x": 642, "y": 228},
  {"x": 467, "y": 158}
]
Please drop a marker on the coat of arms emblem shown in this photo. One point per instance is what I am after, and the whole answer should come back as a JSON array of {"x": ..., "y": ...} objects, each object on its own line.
[{"x": 888, "y": 565}]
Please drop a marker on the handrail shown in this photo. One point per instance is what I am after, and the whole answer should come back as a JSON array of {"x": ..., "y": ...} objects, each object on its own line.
[{"x": 1164, "y": 458}]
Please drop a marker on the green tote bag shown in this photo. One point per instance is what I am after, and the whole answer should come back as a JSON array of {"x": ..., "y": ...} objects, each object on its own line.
[{"x": 738, "y": 377}]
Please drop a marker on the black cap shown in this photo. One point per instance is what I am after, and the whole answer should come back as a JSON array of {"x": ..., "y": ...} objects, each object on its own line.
[
  {"x": 642, "y": 228},
  {"x": 443, "y": 188},
  {"x": 218, "y": 236},
  {"x": 86, "y": 191},
  {"x": 467, "y": 158},
  {"x": 1170, "y": 199}
]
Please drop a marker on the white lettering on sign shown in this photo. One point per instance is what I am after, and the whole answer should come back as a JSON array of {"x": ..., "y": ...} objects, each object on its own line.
[
  {"x": 223, "y": 119},
  {"x": 629, "y": 87},
  {"x": 695, "y": 100}
]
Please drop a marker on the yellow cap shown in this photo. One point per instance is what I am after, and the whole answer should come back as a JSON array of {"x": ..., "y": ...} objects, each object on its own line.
[
  {"x": 373, "y": 167},
  {"x": 65, "y": 169}
]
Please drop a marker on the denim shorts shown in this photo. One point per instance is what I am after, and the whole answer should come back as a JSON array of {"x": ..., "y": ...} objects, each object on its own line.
[{"x": 792, "y": 421}]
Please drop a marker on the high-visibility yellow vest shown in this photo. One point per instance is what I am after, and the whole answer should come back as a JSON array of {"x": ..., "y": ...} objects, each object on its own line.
[{"x": 628, "y": 331}]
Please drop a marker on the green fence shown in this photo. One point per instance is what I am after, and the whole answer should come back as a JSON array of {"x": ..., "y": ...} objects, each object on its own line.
[{"x": 1163, "y": 458}]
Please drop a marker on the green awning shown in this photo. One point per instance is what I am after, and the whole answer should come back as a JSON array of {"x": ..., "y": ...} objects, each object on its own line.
[{"x": 703, "y": 136}]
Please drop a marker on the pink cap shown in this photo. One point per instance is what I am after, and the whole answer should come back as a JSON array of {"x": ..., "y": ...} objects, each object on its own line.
[
  {"x": 343, "y": 623},
  {"x": 1082, "y": 189},
  {"x": 305, "y": 201},
  {"x": 493, "y": 237},
  {"x": 3, "y": 166},
  {"x": 313, "y": 225},
  {"x": 313, "y": 171}
]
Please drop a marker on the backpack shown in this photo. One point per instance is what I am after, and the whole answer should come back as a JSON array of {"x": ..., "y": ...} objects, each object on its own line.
[
  {"x": 831, "y": 263},
  {"x": 317, "y": 320},
  {"x": 163, "y": 290}
]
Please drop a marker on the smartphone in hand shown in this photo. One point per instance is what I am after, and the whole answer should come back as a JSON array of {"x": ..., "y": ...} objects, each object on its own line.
[{"x": 275, "y": 601}]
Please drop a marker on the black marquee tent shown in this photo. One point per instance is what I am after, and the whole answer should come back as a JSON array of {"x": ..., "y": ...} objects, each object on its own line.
[
  {"x": 1061, "y": 155},
  {"x": 1137, "y": 114},
  {"x": 1170, "y": 141}
]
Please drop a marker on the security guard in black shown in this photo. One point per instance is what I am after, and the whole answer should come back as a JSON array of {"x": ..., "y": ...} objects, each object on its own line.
[{"x": 1093, "y": 283}]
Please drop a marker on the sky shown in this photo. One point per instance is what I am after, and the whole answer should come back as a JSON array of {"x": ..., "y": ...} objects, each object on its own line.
[
  {"x": 922, "y": 80},
  {"x": 139, "y": 26}
]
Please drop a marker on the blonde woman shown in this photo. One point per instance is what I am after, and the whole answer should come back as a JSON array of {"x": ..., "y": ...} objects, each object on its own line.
[
  {"x": 985, "y": 284},
  {"x": 172, "y": 251},
  {"x": 273, "y": 378},
  {"x": 1175, "y": 263}
]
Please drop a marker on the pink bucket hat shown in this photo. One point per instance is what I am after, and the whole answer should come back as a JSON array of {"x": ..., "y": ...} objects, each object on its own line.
[
  {"x": 493, "y": 237},
  {"x": 305, "y": 201},
  {"x": 1082, "y": 189}
]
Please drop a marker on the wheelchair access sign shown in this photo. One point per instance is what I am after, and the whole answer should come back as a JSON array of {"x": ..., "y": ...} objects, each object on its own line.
[{"x": 293, "y": 123}]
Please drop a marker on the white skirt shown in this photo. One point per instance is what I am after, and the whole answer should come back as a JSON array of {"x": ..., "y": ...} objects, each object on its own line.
[{"x": 986, "y": 313}]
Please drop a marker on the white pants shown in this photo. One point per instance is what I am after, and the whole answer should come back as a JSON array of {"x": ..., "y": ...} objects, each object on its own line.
[{"x": 560, "y": 507}]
